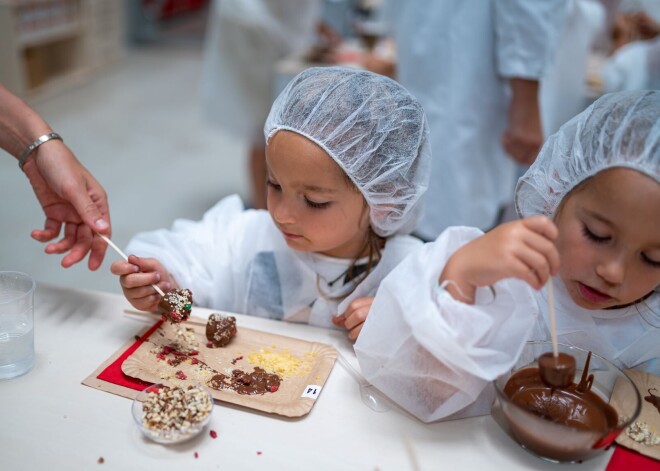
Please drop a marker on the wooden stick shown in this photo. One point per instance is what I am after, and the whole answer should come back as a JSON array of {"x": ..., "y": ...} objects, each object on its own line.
[
  {"x": 553, "y": 325},
  {"x": 125, "y": 257}
]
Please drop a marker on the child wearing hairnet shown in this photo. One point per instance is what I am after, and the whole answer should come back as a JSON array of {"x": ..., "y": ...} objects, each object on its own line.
[
  {"x": 348, "y": 159},
  {"x": 591, "y": 209}
]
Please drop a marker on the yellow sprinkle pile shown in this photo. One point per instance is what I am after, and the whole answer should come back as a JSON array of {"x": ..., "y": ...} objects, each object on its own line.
[{"x": 282, "y": 363}]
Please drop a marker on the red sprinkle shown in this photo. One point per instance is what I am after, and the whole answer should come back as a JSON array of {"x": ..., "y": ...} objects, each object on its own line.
[
  {"x": 196, "y": 455},
  {"x": 181, "y": 375},
  {"x": 273, "y": 388},
  {"x": 167, "y": 349},
  {"x": 213, "y": 434},
  {"x": 193, "y": 352},
  {"x": 160, "y": 356},
  {"x": 194, "y": 361}
]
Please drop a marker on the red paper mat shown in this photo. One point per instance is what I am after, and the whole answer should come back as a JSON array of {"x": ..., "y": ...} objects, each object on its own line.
[
  {"x": 624, "y": 459},
  {"x": 113, "y": 373}
]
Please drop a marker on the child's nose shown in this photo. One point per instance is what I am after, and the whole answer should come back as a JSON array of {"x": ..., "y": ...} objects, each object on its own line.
[
  {"x": 612, "y": 271},
  {"x": 282, "y": 213}
]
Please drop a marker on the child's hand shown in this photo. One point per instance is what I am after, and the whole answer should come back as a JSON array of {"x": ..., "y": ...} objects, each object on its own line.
[
  {"x": 354, "y": 317},
  {"x": 136, "y": 277},
  {"x": 522, "y": 249}
]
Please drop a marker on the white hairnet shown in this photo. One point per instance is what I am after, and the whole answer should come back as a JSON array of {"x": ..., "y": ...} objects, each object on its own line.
[
  {"x": 618, "y": 130},
  {"x": 372, "y": 127}
]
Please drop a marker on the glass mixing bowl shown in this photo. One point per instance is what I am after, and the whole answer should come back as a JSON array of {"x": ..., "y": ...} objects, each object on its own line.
[{"x": 554, "y": 441}]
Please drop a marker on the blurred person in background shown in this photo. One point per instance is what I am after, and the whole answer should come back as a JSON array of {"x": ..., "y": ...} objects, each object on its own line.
[
  {"x": 245, "y": 39},
  {"x": 475, "y": 66},
  {"x": 632, "y": 44}
]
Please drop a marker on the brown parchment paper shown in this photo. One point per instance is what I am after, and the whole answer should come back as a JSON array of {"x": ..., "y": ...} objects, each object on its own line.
[
  {"x": 649, "y": 413},
  {"x": 297, "y": 392}
]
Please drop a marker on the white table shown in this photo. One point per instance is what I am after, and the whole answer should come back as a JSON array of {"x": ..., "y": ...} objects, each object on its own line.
[{"x": 50, "y": 421}]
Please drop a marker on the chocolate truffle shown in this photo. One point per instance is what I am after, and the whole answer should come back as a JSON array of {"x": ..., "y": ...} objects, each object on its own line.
[
  {"x": 220, "y": 330},
  {"x": 176, "y": 305}
]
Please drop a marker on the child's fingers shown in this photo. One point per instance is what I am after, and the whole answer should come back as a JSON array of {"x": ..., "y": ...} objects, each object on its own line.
[
  {"x": 144, "y": 303},
  {"x": 355, "y": 332},
  {"x": 140, "y": 291},
  {"x": 145, "y": 264},
  {"x": 356, "y": 316},
  {"x": 137, "y": 280},
  {"x": 546, "y": 249},
  {"x": 123, "y": 268},
  {"x": 339, "y": 320},
  {"x": 541, "y": 225}
]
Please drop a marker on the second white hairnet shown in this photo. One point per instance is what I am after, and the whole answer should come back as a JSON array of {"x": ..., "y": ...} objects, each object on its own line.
[
  {"x": 373, "y": 128},
  {"x": 618, "y": 130}
]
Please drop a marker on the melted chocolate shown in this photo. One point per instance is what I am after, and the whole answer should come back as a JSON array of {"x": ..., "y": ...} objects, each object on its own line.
[
  {"x": 653, "y": 399},
  {"x": 176, "y": 305},
  {"x": 574, "y": 405},
  {"x": 557, "y": 372},
  {"x": 220, "y": 330},
  {"x": 256, "y": 382}
]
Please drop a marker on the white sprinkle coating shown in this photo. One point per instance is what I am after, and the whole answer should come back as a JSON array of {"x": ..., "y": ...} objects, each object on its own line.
[{"x": 641, "y": 433}]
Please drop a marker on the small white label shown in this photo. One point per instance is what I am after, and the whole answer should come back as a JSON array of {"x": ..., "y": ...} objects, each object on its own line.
[{"x": 312, "y": 390}]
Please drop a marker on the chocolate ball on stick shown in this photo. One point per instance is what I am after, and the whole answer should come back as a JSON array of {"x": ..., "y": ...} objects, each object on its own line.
[
  {"x": 176, "y": 305},
  {"x": 557, "y": 371}
]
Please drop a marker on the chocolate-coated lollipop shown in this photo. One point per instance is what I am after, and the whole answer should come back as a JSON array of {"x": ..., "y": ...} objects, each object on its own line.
[
  {"x": 557, "y": 371},
  {"x": 176, "y": 305}
]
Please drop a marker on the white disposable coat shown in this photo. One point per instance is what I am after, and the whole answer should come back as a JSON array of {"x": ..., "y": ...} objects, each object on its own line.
[
  {"x": 437, "y": 357},
  {"x": 244, "y": 41},
  {"x": 238, "y": 261},
  {"x": 456, "y": 57}
]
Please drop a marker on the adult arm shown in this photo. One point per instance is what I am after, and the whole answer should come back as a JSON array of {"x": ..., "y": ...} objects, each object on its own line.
[{"x": 69, "y": 195}]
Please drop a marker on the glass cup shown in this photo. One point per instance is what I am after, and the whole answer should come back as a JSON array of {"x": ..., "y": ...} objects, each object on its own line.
[{"x": 16, "y": 324}]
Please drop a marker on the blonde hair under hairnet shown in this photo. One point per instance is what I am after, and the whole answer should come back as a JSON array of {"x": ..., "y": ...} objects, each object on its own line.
[
  {"x": 618, "y": 130},
  {"x": 372, "y": 127}
]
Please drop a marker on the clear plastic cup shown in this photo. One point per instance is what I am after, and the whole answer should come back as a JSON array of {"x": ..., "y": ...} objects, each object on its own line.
[{"x": 16, "y": 324}]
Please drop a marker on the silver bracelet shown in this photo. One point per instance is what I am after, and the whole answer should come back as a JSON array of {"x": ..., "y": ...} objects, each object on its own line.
[{"x": 40, "y": 140}]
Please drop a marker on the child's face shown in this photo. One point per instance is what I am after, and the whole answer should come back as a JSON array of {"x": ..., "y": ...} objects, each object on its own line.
[
  {"x": 609, "y": 239},
  {"x": 311, "y": 201}
]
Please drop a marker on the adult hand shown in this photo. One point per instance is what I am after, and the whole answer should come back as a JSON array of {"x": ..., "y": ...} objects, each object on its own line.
[
  {"x": 71, "y": 197},
  {"x": 523, "y": 137}
]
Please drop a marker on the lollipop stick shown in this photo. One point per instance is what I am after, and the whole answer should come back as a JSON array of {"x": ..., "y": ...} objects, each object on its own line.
[
  {"x": 553, "y": 326},
  {"x": 125, "y": 257}
]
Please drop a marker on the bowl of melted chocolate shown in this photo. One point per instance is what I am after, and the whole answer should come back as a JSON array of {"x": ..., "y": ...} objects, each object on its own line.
[{"x": 558, "y": 407}]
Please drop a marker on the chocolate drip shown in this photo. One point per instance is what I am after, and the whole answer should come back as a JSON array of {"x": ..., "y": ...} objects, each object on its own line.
[
  {"x": 653, "y": 399},
  {"x": 255, "y": 382}
]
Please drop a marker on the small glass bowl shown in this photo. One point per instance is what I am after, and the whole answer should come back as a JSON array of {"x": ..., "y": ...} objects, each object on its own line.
[
  {"x": 174, "y": 435},
  {"x": 556, "y": 442}
]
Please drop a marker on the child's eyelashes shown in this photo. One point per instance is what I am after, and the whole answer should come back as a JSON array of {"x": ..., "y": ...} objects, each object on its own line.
[
  {"x": 653, "y": 263},
  {"x": 308, "y": 202},
  {"x": 593, "y": 237},
  {"x": 315, "y": 205},
  {"x": 273, "y": 185}
]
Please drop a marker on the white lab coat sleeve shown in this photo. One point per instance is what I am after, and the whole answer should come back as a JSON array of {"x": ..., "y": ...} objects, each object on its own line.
[
  {"x": 526, "y": 35},
  {"x": 433, "y": 355},
  {"x": 197, "y": 253}
]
